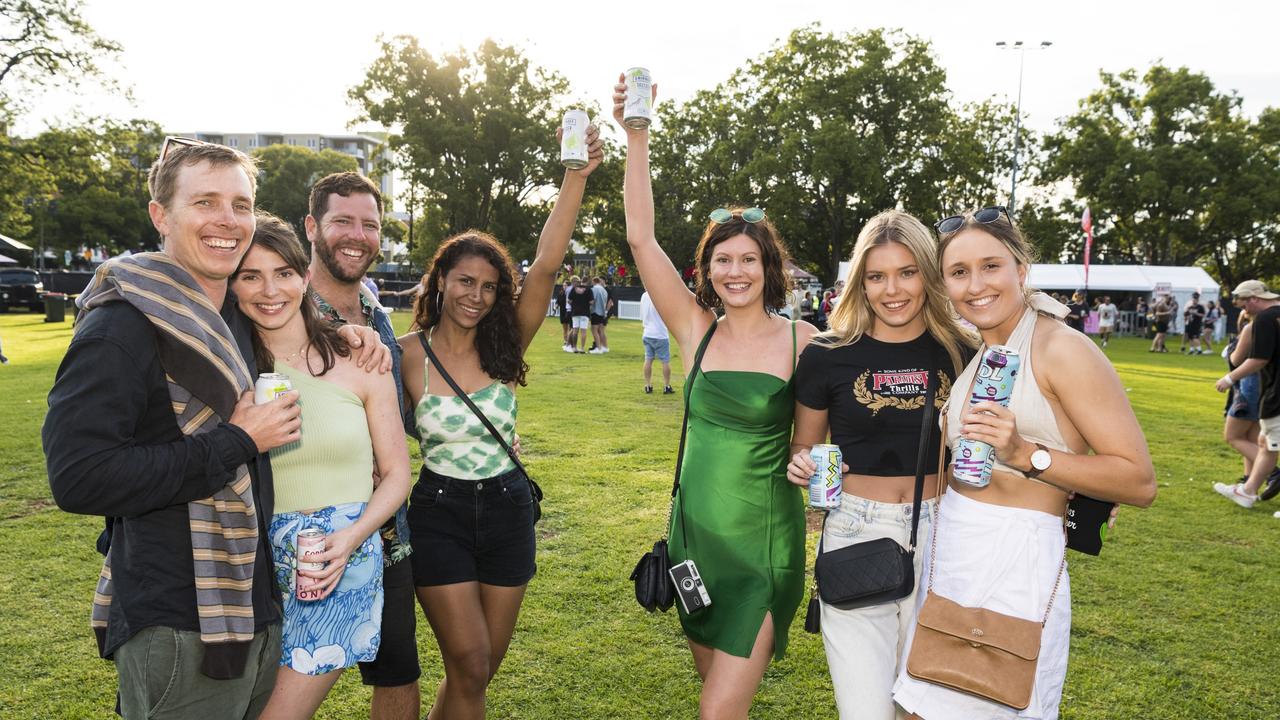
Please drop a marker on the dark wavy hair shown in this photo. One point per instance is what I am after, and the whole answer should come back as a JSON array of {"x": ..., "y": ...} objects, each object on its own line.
[
  {"x": 278, "y": 236},
  {"x": 498, "y": 334},
  {"x": 772, "y": 253}
]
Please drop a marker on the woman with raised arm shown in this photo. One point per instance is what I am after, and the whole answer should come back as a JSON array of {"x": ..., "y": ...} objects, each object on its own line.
[
  {"x": 893, "y": 334},
  {"x": 471, "y": 513},
  {"x": 350, "y": 420},
  {"x": 1068, "y": 428},
  {"x": 736, "y": 516}
]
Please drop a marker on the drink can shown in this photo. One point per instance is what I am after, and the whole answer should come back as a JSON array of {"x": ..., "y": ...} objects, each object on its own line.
[
  {"x": 573, "y": 141},
  {"x": 825, "y": 485},
  {"x": 269, "y": 387},
  {"x": 310, "y": 543},
  {"x": 996, "y": 374},
  {"x": 638, "y": 109}
]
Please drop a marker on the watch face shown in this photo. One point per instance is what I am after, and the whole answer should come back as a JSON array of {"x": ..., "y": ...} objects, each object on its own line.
[{"x": 1040, "y": 460}]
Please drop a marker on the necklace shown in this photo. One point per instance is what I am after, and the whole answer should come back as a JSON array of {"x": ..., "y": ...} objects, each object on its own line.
[{"x": 290, "y": 358}]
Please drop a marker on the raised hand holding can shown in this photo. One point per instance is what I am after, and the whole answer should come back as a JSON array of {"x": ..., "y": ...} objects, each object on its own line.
[{"x": 573, "y": 140}]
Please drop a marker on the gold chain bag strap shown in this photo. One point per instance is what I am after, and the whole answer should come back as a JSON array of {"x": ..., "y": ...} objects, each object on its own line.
[{"x": 975, "y": 650}]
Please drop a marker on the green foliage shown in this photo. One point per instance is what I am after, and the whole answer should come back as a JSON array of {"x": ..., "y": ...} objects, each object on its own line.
[
  {"x": 476, "y": 130},
  {"x": 824, "y": 131},
  {"x": 286, "y": 174},
  {"x": 1174, "y": 174},
  {"x": 1173, "y": 622},
  {"x": 84, "y": 185},
  {"x": 46, "y": 42}
]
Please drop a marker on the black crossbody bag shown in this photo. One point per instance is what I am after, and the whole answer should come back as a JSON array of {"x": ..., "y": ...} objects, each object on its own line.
[
  {"x": 654, "y": 590},
  {"x": 877, "y": 571},
  {"x": 534, "y": 490}
]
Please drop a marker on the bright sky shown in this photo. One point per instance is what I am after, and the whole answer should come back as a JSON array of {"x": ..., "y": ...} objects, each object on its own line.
[{"x": 285, "y": 65}]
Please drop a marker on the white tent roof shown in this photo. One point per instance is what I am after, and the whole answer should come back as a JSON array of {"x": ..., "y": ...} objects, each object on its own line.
[{"x": 1123, "y": 278}]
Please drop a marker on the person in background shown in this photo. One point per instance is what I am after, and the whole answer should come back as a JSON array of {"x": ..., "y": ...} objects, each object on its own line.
[
  {"x": 601, "y": 304},
  {"x": 657, "y": 344},
  {"x": 1162, "y": 315},
  {"x": 1107, "y": 316},
  {"x": 1263, "y": 359},
  {"x": 1193, "y": 325},
  {"x": 580, "y": 299},
  {"x": 325, "y": 479},
  {"x": 1077, "y": 311},
  {"x": 561, "y": 299},
  {"x": 1211, "y": 315},
  {"x": 1240, "y": 429}
]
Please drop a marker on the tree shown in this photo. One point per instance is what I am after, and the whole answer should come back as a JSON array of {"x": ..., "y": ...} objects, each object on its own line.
[
  {"x": 476, "y": 135},
  {"x": 824, "y": 131},
  {"x": 286, "y": 174},
  {"x": 43, "y": 42},
  {"x": 1174, "y": 173},
  {"x": 86, "y": 185}
]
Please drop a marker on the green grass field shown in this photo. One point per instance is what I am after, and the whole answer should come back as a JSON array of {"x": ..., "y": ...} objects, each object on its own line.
[{"x": 1177, "y": 619}]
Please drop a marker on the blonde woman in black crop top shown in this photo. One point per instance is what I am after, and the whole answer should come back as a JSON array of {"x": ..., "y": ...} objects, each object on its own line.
[{"x": 864, "y": 382}]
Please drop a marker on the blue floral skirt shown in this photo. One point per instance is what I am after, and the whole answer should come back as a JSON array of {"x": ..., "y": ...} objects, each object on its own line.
[{"x": 344, "y": 628}]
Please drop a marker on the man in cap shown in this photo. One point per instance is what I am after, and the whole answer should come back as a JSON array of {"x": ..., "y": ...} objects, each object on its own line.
[{"x": 1264, "y": 357}]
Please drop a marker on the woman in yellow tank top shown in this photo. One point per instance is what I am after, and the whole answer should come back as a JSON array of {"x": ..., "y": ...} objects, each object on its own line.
[{"x": 324, "y": 480}]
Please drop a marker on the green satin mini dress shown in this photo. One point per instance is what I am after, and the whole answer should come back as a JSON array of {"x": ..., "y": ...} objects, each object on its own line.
[{"x": 736, "y": 515}]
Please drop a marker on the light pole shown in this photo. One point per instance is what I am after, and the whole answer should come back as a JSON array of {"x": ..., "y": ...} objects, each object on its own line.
[{"x": 1020, "y": 47}]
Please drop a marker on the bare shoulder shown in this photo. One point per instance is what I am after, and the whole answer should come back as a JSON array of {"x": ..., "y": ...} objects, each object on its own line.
[
  {"x": 1072, "y": 356},
  {"x": 411, "y": 346},
  {"x": 804, "y": 333}
]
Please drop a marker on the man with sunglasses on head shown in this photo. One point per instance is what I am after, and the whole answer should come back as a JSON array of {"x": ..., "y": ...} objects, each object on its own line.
[
  {"x": 152, "y": 424},
  {"x": 344, "y": 227}
]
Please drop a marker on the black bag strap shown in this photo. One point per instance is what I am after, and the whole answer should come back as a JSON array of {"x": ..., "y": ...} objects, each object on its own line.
[
  {"x": 684, "y": 431},
  {"x": 422, "y": 338},
  {"x": 931, "y": 383}
]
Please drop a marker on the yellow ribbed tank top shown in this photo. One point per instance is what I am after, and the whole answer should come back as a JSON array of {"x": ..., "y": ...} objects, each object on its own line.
[{"x": 333, "y": 461}]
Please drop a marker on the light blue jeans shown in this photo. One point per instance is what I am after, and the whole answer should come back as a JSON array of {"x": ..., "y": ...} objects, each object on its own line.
[{"x": 864, "y": 646}]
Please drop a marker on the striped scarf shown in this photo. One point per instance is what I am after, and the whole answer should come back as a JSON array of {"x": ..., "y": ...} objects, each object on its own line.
[{"x": 206, "y": 375}]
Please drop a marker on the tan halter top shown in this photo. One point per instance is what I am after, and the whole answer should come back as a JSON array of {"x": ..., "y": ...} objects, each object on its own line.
[{"x": 1035, "y": 417}]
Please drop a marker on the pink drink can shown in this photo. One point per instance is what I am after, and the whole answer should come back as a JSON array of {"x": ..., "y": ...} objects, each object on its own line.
[
  {"x": 997, "y": 371},
  {"x": 310, "y": 544},
  {"x": 826, "y": 483}
]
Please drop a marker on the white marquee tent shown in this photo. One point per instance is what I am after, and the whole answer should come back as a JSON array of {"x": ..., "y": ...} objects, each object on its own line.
[{"x": 1178, "y": 281}]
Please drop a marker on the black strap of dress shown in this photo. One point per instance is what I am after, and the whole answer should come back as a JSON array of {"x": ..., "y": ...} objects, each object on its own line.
[{"x": 684, "y": 431}]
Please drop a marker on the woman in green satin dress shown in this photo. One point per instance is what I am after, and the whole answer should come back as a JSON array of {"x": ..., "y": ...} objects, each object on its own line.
[{"x": 736, "y": 515}]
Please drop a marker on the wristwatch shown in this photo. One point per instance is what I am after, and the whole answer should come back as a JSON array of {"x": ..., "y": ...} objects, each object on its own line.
[{"x": 1040, "y": 461}]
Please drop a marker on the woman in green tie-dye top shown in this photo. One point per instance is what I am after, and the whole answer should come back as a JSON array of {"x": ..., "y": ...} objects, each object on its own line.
[{"x": 471, "y": 512}]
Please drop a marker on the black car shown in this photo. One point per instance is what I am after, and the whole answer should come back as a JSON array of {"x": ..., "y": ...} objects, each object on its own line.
[{"x": 21, "y": 287}]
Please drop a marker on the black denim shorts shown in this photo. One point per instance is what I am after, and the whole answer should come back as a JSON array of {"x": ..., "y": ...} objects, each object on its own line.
[{"x": 472, "y": 530}]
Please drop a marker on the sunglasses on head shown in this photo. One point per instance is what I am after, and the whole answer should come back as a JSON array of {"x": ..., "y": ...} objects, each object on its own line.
[
  {"x": 171, "y": 142},
  {"x": 986, "y": 216},
  {"x": 721, "y": 216}
]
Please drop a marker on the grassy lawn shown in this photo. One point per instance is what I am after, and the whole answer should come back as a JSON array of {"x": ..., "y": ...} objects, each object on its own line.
[{"x": 1177, "y": 619}]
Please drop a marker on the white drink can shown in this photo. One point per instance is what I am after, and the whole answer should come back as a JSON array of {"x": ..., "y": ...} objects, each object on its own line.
[
  {"x": 638, "y": 109},
  {"x": 573, "y": 141},
  {"x": 269, "y": 387}
]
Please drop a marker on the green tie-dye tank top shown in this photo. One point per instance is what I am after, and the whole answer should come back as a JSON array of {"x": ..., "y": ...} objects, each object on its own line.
[{"x": 454, "y": 441}]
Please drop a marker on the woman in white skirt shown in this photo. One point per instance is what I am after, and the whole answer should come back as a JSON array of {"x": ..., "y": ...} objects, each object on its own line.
[{"x": 1068, "y": 428}]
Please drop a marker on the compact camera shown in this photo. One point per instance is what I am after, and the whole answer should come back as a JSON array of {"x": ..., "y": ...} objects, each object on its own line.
[{"x": 689, "y": 588}]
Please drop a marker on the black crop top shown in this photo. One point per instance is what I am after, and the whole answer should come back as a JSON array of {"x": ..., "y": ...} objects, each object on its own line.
[{"x": 873, "y": 393}]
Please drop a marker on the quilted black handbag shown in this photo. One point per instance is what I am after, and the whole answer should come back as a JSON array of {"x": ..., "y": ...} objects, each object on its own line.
[
  {"x": 654, "y": 590},
  {"x": 877, "y": 571}
]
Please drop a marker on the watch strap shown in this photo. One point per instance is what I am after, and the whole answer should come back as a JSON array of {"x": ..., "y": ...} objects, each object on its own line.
[{"x": 1034, "y": 472}]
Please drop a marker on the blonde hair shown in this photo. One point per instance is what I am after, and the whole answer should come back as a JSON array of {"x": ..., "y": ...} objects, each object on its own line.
[{"x": 853, "y": 317}]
